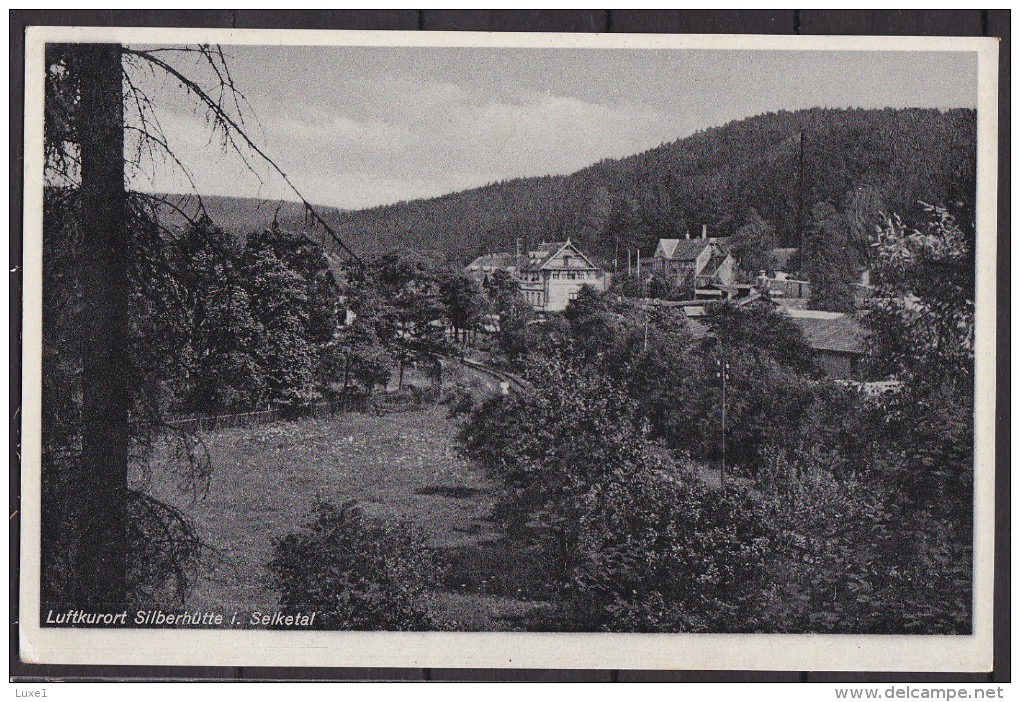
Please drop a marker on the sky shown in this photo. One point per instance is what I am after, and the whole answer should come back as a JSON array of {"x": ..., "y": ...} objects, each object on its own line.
[{"x": 356, "y": 127}]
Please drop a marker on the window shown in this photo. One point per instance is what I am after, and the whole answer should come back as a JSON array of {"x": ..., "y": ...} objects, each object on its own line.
[{"x": 566, "y": 261}]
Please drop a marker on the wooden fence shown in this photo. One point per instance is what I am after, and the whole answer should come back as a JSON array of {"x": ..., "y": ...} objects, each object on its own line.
[
  {"x": 324, "y": 408},
  {"x": 328, "y": 408}
]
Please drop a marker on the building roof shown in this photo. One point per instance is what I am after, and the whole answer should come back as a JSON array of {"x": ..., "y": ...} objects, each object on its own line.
[
  {"x": 540, "y": 256},
  {"x": 495, "y": 260},
  {"x": 682, "y": 249},
  {"x": 712, "y": 267},
  {"x": 830, "y": 331},
  {"x": 722, "y": 242}
]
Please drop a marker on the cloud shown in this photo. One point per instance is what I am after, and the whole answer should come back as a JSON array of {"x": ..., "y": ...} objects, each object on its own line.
[
  {"x": 360, "y": 127},
  {"x": 435, "y": 138}
]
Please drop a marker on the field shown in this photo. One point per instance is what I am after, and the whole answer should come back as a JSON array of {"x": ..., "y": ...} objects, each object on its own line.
[{"x": 397, "y": 465}]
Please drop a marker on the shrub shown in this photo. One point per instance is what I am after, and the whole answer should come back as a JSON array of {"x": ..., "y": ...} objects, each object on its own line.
[
  {"x": 357, "y": 572},
  {"x": 634, "y": 540},
  {"x": 666, "y": 553},
  {"x": 852, "y": 556}
]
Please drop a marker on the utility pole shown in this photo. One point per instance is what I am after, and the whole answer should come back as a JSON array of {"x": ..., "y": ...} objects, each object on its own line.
[
  {"x": 800, "y": 196},
  {"x": 723, "y": 374},
  {"x": 646, "y": 330}
]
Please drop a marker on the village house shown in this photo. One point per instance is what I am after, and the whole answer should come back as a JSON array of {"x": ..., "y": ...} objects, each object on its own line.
[
  {"x": 838, "y": 340},
  {"x": 483, "y": 267},
  {"x": 704, "y": 261},
  {"x": 550, "y": 276},
  {"x": 555, "y": 272}
]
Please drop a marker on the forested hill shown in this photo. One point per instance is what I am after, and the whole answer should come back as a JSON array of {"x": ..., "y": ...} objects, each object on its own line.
[{"x": 713, "y": 177}]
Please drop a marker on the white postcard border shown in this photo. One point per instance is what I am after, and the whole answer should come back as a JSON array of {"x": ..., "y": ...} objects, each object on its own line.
[{"x": 511, "y": 650}]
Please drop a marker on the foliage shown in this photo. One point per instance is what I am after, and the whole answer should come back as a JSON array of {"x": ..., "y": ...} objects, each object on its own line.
[
  {"x": 356, "y": 572},
  {"x": 464, "y": 303},
  {"x": 923, "y": 334},
  {"x": 637, "y": 542},
  {"x": 223, "y": 370},
  {"x": 852, "y": 557},
  {"x": 664, "y": 287},
  {"x": 663, "y": 552},
  {"x": 355, "y": 358},
  {"x": 752, "y": 242},
  {"x": 763, "y": 328},
  {"x": 278, "y": 301},
  {"x": 515, "y": 334},
  {"x": 830, "y": 260}
]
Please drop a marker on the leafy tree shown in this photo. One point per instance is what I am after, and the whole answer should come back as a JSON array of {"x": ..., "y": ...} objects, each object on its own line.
[
  {"x": 355, "y": 357},
  {"x": 636, "y": 542},
  {"x": 412, "y": 288},
  {"x": 923, "y": 327},
  {"x": 864, "y": 209},
  {"x": 752, "y": 242},
  {"x": 464, "y": 303},
  {"x": 852, "y": 557},
  {"x": 307, "y": 259},
  {"x": 515, "y": 335},
  {"x": 666, "y": 287},
  {"x": 763, "y": 328},
  {"x": 223, "y": 371},
  {"x": 278, "y": 301},
  {"x": 831, "y": 260}
]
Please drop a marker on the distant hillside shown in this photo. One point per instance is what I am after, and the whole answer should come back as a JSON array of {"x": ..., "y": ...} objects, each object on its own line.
[
  {"x": 242, "y": 215},
  {"x": 713, "y": 177}
]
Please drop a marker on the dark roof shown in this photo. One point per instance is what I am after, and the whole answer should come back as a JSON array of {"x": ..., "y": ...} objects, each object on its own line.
[
  {"x": 539, "y": 256},
  {"x": 496, "y": 260},
  {"x": 712, "y": 267},
  {"x": 682, "y": 249},
  {"x": 839, "y": 333}
]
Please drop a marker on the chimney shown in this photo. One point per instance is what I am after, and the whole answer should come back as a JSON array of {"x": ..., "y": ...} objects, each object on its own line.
[
  {"x": 687, "y": 234},
  {"x": 704, "y": 231}
]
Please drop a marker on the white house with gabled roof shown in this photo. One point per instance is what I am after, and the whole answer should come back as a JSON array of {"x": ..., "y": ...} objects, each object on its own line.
[{"x": 555, "y": 272}]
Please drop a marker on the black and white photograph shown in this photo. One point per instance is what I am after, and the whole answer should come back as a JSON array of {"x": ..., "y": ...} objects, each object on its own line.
[{"x": 484, "y": 337}]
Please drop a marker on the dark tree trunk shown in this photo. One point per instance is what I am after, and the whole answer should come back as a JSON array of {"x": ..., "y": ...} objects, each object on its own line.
[
  {"x": 101, "y": 566},
  {"x": 343, "y": 393}
]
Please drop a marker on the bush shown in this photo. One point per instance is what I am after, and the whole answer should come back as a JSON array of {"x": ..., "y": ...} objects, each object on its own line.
[
  {"x": 853, "y": 557},
  {"x": 634, "y": 540},
  {"x": 357, "y": 572},
  {"x": 666, "y": 553}
]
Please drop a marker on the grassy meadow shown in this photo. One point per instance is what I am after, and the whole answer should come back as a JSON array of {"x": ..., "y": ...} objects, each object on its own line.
[{"x": 399, "y": 463}]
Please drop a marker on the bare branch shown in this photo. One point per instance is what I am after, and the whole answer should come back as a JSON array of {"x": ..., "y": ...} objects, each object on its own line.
[{"x": 231, "y": 128}]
